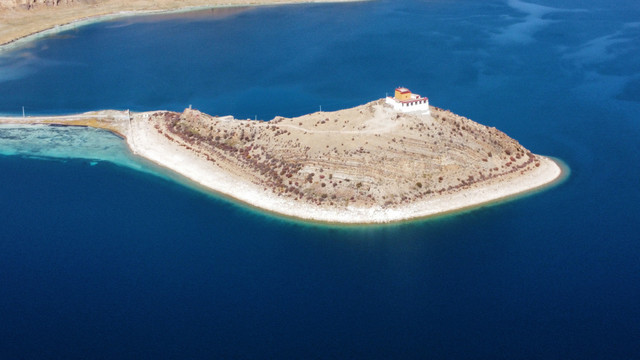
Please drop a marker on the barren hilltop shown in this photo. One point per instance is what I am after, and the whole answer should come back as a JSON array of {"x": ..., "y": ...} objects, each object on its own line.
[{"x": 370, "y": 155}]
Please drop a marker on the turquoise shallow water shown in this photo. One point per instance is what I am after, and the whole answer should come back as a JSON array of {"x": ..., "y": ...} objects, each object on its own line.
[
  {"x": 58, "y": 142},
  {"x": 105, "y": 256}
]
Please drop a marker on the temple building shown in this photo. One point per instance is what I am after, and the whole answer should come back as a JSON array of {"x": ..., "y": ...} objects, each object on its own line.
[{"x": 405, "y": 101}]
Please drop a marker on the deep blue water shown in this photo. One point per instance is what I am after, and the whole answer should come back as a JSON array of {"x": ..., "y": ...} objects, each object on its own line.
[{"x": 105, "y": 256}]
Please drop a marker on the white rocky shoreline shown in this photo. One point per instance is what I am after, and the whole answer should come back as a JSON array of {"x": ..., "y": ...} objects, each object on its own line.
[{"x": 147, "y": 142}]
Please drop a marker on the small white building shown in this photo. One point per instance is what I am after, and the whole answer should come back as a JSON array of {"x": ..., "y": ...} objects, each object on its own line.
[{"x": 403, "y": 100}]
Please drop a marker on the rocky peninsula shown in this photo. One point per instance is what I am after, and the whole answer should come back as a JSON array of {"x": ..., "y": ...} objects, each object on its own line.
[{"x": 368, "y": 164}]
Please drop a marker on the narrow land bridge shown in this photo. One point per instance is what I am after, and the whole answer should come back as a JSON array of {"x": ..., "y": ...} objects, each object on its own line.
[{"x": 113, "y": 120}]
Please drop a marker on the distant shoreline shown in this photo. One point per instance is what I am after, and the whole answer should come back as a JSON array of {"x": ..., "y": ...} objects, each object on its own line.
[{"x": 28, "y": 19}]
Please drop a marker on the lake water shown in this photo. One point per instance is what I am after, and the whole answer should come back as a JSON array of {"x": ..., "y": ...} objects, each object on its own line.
[{"x": 103, "y": 255}]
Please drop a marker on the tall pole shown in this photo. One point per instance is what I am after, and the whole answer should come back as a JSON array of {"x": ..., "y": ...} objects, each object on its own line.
[{"x": 23, "y": 111}]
